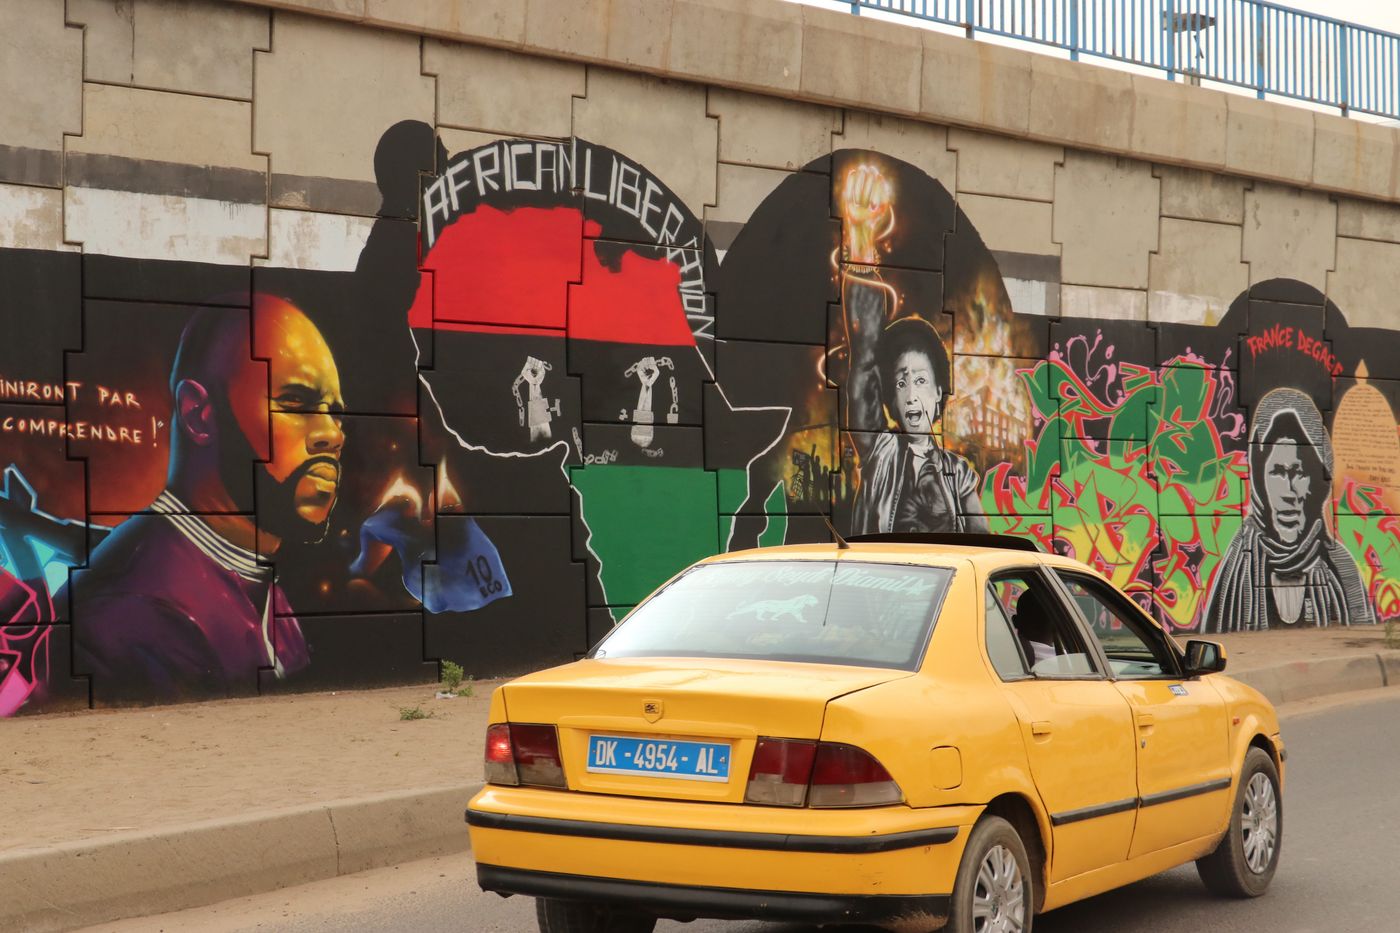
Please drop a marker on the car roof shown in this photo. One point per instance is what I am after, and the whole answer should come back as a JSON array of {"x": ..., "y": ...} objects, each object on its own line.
[{"x": 986, "y": 558}]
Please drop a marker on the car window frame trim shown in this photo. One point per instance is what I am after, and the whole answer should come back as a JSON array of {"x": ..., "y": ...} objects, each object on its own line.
[
  {"x": 1020, "y": 650},
  {"x": 1161, "y": 634},
  {"x": 1091, "y": 645}
]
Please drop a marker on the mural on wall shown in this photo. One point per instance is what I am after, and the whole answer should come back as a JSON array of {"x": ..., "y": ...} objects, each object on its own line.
[{"x": 543, "y": 390}]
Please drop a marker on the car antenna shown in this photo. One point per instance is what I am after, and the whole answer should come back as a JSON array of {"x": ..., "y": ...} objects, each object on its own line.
[{"x": 841, "y": 543}]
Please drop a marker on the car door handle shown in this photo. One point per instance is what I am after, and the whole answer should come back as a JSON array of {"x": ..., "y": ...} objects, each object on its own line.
[
  {"x": 1146, "y": 720},
  {"x": 1040, "y": 728}
]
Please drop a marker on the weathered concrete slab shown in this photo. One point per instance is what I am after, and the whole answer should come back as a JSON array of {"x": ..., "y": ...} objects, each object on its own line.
[
  {"x": 1269, "y": 140},
  {"x": 1105, "y": 219},
  {"x": 736, "y": 43},
  {"x": 1368, "y": 220},
  {"x": 31, "y": 218},
  {"x": 1110, "y": 304},
  {"x": 1178, "y": 123},
  {"x": 1366, "y": 281},
  {"x": 526, "y": 96},
  {"x": 497, "y": 22},
  {"x": 1289, "y": 233},
  {"x": 1012, "y": 224},
  {"x": 872, "y": 59},
  {"x": 192, "y": 46},
  {"x": 660, "y": 124},
  {"x": 1081, "y": 105},
  {"x": 311, "y": 64},
  {"x": 1196, "y": 272},
  {"x": 975, "y": 84},
  {"x": 41, "y": 79},
  {"x": 1355, "y": 156},
  {"x": 1193, "y": 194},
  {"x": 767, "y": 131},
  {"x": 1004, "y": 166}
]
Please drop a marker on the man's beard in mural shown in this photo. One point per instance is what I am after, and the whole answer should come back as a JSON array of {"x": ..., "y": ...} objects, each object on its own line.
[{"x": 278, "y": 501}]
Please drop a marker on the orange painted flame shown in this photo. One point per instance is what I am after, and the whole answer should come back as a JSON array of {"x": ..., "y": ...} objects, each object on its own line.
[
  {"x": 402, "y": 490},
  {"x": 447, "y": 495}
]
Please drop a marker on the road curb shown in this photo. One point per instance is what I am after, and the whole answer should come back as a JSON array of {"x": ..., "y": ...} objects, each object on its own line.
[
  {"x": 1305, "y": 680},
  {"x": 135, "y": 874}
]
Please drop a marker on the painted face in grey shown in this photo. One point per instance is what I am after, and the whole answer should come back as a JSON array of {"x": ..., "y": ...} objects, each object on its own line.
[
  {"x": 1287, "y": 487},
  {"x": 918, "y": 396}
]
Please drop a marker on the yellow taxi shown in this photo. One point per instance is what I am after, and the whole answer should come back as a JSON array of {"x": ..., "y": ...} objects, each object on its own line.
[{"x": 898, "y": 730}]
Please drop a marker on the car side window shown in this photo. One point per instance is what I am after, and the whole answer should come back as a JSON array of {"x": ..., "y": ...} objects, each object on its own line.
[
  {"x": 1002, "y": 649},
  {"x": 1134, "y": 649},
  {"x": 1049, "y": 641}
]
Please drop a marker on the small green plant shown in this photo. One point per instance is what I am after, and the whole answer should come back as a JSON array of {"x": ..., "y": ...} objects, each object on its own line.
[
  {"x": 1392, "y": 637},
  {"x": 468, "y": 689},
  {"x": 452, "y": 676},
  {"x": 409, "y": 713}
]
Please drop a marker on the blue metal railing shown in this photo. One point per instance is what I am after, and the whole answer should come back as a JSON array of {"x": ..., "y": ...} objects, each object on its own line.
[{"x": 1254, "y": 44}]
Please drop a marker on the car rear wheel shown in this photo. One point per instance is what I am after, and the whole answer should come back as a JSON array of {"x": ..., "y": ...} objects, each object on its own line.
[
  {"x": 994, "y": 890},
  {"x": 1244, "y": 862},
  {"x": 556, "y": 916}
]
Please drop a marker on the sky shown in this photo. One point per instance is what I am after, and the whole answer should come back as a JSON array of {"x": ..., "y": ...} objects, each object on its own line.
[
  {"x": 1382, "y": 14},
  {"x": 1379, "y": 14}
]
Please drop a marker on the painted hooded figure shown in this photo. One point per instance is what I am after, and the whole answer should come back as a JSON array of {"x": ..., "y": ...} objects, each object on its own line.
[{"x": 1284, "y": 567}]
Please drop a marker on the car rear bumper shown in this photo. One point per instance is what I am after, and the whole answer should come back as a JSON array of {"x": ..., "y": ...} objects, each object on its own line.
[
  {"x": 715, "y": 838},
  {"x": 719, "y": 860},
  {"x": 687, "y": 901}
]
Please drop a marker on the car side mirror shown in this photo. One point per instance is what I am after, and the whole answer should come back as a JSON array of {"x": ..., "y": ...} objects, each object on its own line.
[{"x": 1204, "y": 657}]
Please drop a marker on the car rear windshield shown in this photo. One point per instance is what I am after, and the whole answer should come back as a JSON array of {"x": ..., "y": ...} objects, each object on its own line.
[{"x": 833, "y": 612}]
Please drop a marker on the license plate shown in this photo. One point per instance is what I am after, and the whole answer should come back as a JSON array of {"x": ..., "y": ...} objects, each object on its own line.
[{"x": 690, "y": 761}]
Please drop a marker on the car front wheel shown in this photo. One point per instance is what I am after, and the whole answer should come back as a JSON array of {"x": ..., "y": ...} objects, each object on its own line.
[
  {"x": 556, "y": 916},
  {"x": 1244, "y": 862},
  {"x": 993, "y": 892}
]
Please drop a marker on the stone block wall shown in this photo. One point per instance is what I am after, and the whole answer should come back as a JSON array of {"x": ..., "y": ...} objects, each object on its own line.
[{"x": 348, "y": 336}]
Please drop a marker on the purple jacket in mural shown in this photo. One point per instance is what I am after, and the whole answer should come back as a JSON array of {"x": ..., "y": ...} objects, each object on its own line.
[{"x": 169, "y": 610}]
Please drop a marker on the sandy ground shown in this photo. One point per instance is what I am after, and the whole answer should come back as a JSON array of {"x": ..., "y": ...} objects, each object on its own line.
[{"x": 73, "y": 776}]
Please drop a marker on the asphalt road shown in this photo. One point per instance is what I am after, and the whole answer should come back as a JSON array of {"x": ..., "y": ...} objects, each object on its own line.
[{"x": 1341, "y": 816}]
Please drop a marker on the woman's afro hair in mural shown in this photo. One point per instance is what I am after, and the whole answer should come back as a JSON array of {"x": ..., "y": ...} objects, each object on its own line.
[{"x": 910, "y": 334}]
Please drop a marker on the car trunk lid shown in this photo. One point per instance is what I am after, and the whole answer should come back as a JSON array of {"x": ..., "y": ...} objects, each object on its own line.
[{"x": 678, "y": 728}]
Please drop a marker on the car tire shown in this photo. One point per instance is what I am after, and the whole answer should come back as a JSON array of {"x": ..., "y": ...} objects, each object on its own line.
[
  {"x": 994, "y": 891},
  {"x": 1244, "y": 862},
  {"x": 556, "y": 916}
]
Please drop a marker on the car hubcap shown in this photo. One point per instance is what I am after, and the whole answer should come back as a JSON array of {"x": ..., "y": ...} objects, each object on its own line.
[
  {"x": 1259, "y": 822},
  {"x": 998, "y": 900}
]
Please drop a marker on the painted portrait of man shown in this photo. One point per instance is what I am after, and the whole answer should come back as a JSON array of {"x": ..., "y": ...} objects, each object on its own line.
[
  {"x": 899, "y": 373},
  {"x": 181, "y": 601},
  {"x": 1285, "y": 568}
]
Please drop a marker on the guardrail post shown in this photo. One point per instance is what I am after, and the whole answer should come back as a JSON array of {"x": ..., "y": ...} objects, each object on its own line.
[
  {"x": 855, "y": 7},
  {"x": 969, "y": 11},
  {"x": 1074, "y": 30},
  {"x": 1169, "y": 27},
  {"x": 1260, "y": 44},
  {"x": 1344, "y": 58}
]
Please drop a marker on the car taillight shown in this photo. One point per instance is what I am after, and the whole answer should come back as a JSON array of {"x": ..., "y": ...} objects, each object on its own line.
[
  {"x": 846, "y": 776},
  {"x": 780, "y": 772},
  {"x": 799, "y": 772},
  {"x": 500, "y": 761},
  {"x": 523, "y": 754}
]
